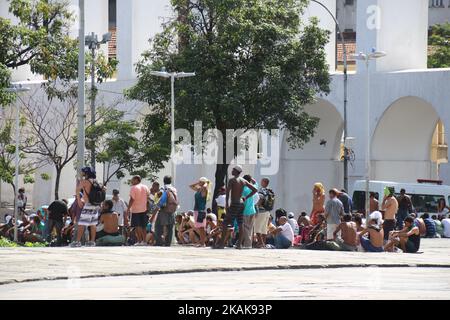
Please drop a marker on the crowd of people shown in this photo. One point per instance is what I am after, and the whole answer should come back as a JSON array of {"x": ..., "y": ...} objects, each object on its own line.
[{"x": 242, "y": 216}]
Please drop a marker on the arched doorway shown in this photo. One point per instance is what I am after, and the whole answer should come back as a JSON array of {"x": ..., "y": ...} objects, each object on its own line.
[
  {"x": 316, "y": 162},
  {"x": 408, "y": 142}
]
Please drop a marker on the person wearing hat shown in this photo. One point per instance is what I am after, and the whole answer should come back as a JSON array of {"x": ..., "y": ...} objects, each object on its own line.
[
  {"x": 334, "y": 210},
  {"x": 120, "y": 207},
  {"x": 201, "y": 188},
  {"x": 235, "y": 205},
  {"x": 89, "y": 211}
]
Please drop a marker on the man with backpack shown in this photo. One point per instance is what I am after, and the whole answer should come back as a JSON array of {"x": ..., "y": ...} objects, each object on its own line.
[
  {"x": 138, "y": 206},
  {"x": 265, "y": 205},
  {"x": 165, "y": 220},
  {"x": 90, "y": 195}
]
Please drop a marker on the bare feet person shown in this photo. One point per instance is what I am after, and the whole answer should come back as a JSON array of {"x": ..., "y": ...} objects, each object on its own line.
[{"x": 235, "y": 208}]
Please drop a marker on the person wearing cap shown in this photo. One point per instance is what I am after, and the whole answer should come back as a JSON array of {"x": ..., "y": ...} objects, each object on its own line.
[
  {"x": 201, "y": 188},
  {"x": 89, "y": 212},
  {"x": 334, "y": 210},
  {"x": 235, "y": 205},
  {"x": 390, "y": 207},
  {"x": 293, "y": 223},
  {"x": 120, "y": 207}
]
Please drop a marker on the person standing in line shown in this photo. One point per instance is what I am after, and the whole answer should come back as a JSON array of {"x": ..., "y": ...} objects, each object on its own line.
[
  {"x": 346, "y": 201},
  {"x": 235, "y": 208},
  {"x": 165, "y": 219},
  {"x": 21, "y": 201},
  {"x": 220, "y": 201},
  {"x": 318, "y": 202},
  {"x": 404, "y": 208},
  {"x": 390, "y": 208},
  {"x": 119, "y": 207},
  {"x": 90, "y": 195},
  {"x": 334, "y": 210},
  {"x": 201, "y": 188},
  {"x": 249, "y": 214},
  {"x": 374, "y": 204},
  {"x": 138, "y": 207},
  {"x": 265, "y": 205}
]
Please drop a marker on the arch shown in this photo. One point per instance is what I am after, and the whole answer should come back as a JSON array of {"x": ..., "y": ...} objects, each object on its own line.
[
  {"x": 301, "y": 168},
  {"x": 401, "y": 142}
]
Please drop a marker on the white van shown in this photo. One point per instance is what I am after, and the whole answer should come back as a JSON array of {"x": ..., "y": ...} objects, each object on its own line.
[{"x": 424, "y": 196}]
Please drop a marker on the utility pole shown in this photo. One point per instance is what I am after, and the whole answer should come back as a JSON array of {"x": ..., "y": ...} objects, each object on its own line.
[{"x": 81, "y": 93}]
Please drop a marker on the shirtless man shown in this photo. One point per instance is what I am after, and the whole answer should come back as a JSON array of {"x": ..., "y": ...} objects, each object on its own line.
[
  {"x": 390, "y": 208},
  {"x": 374, "y": 205},
  {"x": 318, "y": 202},
  {"x": 89, "y": 212},
  {"x": 109, "y": 219},
  {"x": 235, "y": 209},
  {"x": 376, "y": 236},
  {"x": 348, "y": 234}
]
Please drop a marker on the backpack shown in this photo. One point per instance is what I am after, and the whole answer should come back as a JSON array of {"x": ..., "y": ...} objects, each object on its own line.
[
  {"x": 269, "y": 200},
  {"x": 172, "y": 201},
  {"x": 96, "y": 195}
]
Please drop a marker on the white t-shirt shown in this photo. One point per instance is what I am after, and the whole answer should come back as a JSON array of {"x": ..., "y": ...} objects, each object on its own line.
[
  {"x": 119, "y": 207},
  {"x": 446, "y": 225},
  {"x": 294, "y": 225},
  {"x": 221, "y": 200},
  {"x": 286, "y": 230}
]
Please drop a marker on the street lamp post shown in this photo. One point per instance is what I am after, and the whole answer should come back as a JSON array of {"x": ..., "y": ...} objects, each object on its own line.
[
  {"x": 366, "y": 58},
  {"x": 172, "y": 75},
  {"x": 93, "y": 44},
  {"x": 81, "y": 93},
  {"x": 16, "y": 89},
  {"x": 341, "y": 36}
]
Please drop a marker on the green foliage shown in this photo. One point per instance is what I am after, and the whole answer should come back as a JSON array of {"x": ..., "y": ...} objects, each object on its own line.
[
  {"x": 118, "y": 147},
  {"x": 257, "y": 64},
  {"x": 5, "y": 243},
  {"x": 440, "y": 42},
  {"x": 45, "y": 176},
  {"x": 35, "y": 244}
]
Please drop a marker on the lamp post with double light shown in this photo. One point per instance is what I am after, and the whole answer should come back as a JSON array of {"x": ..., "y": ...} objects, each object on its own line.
[
  {"x": 16, "y": 89},
  {"x": 366, "y": 57},
  {"x": 172, "y": 75}
]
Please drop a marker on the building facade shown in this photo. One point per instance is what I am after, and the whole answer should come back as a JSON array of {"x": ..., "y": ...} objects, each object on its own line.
[{"x": 409, "y": 105}]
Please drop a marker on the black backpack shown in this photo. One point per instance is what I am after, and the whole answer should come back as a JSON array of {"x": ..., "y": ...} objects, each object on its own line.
[
  {"x": 269, "y": 200},
  {"x": 96, "y": 195}
]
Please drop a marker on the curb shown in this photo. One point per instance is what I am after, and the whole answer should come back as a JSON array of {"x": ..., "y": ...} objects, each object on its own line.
[{"x": 231, "y": 269}]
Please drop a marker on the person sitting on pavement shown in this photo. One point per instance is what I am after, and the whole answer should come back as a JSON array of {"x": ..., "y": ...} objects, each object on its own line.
[
  {"x": 418, "y": 222},
  {"x": 33, "y": 231},
  {"x": 293, "y": 223},
  {"x": 407, "y": 239},
  {"x": 110, "y": 234},
  {"x": 376, "y": 237},
  {"x": 347, "y": 228},
  {"x": 429, "y": 225},
  {"x": 438, "y": 226},
  {"x": 283, "y": 234},
  {"x": 211, "y": 228},
  {"x": 270, "y": 229},
  {"x": 359, "y": 223},
  {"x": 317, "y": 239}
]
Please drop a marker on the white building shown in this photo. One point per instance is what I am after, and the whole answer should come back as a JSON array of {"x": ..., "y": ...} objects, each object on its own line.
[{"x": 407, "y": 102}]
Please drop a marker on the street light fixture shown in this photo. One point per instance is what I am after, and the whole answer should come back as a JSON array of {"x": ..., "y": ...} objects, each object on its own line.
[
  {"x": 341, "y": 36},
  {"x": 91, "y": 41},
  {"x": 366, "y": 57},
  {"x": 172, "y": 75},
  {"x": 16, "y": 88}
]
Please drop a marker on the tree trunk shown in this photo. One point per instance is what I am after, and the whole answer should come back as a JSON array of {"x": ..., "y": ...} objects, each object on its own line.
[
  {"x": 58, "y": 176},
  {"x": 221, "y": 174}
]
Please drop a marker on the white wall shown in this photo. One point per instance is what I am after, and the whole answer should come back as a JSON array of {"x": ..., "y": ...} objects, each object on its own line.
[{"x": 388, "y": 25}]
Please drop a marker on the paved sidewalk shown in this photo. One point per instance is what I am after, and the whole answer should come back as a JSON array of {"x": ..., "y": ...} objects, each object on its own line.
[{"x": 34, "y": 264}]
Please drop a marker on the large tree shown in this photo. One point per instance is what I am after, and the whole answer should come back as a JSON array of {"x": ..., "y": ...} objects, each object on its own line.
[
  {"x": 257, "y": 65},
  {"x": 440, "y": 44}
]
